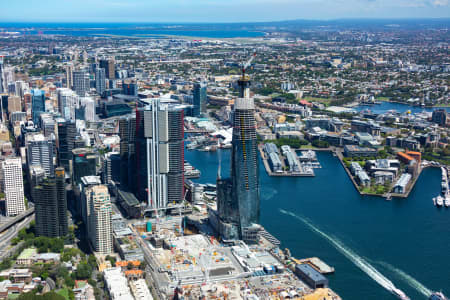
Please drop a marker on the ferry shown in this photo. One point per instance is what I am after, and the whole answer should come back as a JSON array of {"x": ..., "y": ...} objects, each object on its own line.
[
  {"x": 399, "y": 293},
  {"x": 437, "y": 296}
]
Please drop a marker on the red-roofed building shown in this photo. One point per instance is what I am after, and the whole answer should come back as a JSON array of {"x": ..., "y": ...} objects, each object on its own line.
[
  {"x": 305, "y": 103},
  {"x": 405, "y": 158}
]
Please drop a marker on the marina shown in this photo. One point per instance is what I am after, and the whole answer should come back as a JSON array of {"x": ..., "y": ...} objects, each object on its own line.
[{"x": 444, "y": 199}]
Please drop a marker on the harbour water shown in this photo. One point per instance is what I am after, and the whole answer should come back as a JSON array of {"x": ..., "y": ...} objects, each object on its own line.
[
  {"x": 372, "y": 243},
  {"x": 147, "y": 30},
  {"x": 399, "y": 107}
]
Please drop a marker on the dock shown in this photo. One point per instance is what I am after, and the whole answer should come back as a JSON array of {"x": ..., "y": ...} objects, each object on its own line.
[
  {"x": 317, "y": 264},
  {"x": 283, "y": 173}
]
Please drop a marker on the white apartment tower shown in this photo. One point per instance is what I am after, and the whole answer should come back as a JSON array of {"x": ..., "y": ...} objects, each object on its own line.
[
  {"x": 89, "y": 108},
  {"x": 81, "y": 84},
  {"x": 40, "y": 153},
  {"x": 100, "y": 229},
  {"x": 13, "y": 186},
  {"x": 69, "y": 76},
  {"x": 68, "y": 101}
]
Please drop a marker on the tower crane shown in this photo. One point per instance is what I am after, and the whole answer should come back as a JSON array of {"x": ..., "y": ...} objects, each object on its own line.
[{"x": 247, "y": 64}]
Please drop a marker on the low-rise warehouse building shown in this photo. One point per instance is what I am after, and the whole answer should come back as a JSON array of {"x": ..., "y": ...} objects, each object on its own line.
[
  {"x": 312, "y": 277},
  {"x": 400, "y": 186}
]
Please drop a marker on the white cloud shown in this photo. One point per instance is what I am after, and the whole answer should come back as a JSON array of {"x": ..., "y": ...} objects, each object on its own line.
[{"x": 440, "y": 2}]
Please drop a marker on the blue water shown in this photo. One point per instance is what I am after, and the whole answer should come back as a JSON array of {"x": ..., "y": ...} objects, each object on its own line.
[
  {"x": 404, "y": 235},
  {"x": 136, "y": 30},
  {"x": 399, "y": 107}
]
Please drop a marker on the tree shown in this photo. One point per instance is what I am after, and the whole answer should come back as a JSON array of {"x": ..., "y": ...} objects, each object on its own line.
[
  {"x": 92, "y": 261},
  {"x": 83, "y": 271}
]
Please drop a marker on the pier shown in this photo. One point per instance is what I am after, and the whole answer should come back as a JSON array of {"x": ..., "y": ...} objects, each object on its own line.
[{"x": 283, "y": 173}]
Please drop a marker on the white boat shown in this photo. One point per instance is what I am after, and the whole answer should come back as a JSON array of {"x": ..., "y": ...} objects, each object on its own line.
[
  {"x": 447, "y": 200},
  {"x": 438, "y": 296},
  {"x": 434, "y": 201},
  {"x": 439, "y": 200},
  {"x": 399, "y": 293}
]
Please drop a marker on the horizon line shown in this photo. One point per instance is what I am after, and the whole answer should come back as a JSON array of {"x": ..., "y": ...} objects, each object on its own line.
[{"x": 230, "y": 22}]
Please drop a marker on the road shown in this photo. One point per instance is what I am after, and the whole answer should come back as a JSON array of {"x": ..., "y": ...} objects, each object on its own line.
[{"x": 6, "y": 237}]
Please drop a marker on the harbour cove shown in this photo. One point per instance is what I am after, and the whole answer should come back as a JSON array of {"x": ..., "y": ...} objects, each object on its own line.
[{"x": 370, "y": 242}]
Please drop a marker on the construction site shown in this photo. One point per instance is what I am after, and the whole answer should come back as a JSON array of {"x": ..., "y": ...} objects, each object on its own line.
[{"x": 198, "y": 266}]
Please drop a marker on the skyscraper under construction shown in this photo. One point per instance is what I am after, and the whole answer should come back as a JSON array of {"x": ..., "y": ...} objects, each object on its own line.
[
  {"x": 238, "y": 197},
  {"x": 51, "y": 206}
]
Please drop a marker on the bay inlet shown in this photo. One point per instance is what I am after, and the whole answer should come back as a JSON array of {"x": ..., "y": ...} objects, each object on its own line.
[{"x": 407, "y": 241}]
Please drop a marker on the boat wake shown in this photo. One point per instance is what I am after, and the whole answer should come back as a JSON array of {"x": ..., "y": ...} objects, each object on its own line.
[
  {"x": 408, "y": 279},
  {"x": 360, "y": 262},
  {"x": 269, "y": 194}
]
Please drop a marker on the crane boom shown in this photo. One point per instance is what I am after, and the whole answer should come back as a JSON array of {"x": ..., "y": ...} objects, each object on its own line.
[{"x": 247, "y": 64}]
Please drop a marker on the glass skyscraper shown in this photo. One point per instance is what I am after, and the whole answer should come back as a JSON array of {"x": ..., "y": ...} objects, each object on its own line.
[
  {"x": 37, "y": 104},
  {"x": 66, "y": 142},
  {"x": 238, "y": 197},
  {"x": 51, "y": 206},
  {"x": 200, "y": 98}
]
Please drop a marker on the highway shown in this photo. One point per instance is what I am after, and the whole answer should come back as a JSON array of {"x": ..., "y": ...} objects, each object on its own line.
[
  {"x": 14, "y": 220},
  {"x": 6, "y": 237}
]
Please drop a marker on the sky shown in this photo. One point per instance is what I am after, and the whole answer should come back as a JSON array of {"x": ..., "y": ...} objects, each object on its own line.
[{"x": 216, "y": 10}]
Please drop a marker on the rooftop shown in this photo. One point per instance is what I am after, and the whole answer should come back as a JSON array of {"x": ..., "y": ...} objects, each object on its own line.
[{"x": 27, "y": 253}]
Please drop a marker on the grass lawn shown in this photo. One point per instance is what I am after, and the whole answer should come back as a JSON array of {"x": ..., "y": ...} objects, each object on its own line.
[
  {"x": 382, "y": 98},
  {"x": 316, "y": 99},
  {"x": 307, "y": 147},
  {"x": 64, "y": 292},
  {"x": 442, "y": 105}
]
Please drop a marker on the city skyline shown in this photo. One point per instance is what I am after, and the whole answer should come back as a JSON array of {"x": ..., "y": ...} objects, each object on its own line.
[{"x": 178, "y": 11}]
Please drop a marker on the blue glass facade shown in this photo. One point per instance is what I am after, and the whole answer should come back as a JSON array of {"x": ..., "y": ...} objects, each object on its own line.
[
  {"x": 37, "y": 104},
  {"x": 200, "y": 98},
  {"x": 238, "y": 196}
]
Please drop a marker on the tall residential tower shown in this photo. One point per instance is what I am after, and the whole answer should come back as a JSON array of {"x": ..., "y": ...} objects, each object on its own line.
[{"x": 238, "y": 197}]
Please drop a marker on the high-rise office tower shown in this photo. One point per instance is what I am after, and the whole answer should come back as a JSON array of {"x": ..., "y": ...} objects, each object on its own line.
[
  {"x": 84, "y": 163},
  {"x": 161, "y": 134},
  {"x": 238, "y": 197},
  {"x": 108, "y": 65},
  {"x": 100, "y": 226},
  {"x": 14, "y": 104},
  {"x": 69, "y": 76},
  {"x": 111, "y": 168},
  {"x": 51, "y": 206},
  {"x": 37, "y": 104},
  {"x": 20, "y": 88},
  {"x": 127, "y": 134},
  {"x": 88, "y": 106},
  {"x": 68, "y": 102},
  {"x": 2, "y": 88},
  {"x": 13, "y": 186},
  {"x": 200, "y": 99},
  {"x": 8, "y": 78},
  {"x": 129, "y": 87},
  {"x": 48, "y": 126},
  {"x": 100, "y": 80},
  {"x": 40, "y": 152},
  {"x": 66, "y": 139},
  {"x": 81, "y": 82}
]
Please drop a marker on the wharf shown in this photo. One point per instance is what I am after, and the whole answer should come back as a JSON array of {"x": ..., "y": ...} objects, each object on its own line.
[
  {"x": 280, "y": 174},
  {"x": 409, "y": 187},
  {"x": 317, "y": 264}
]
